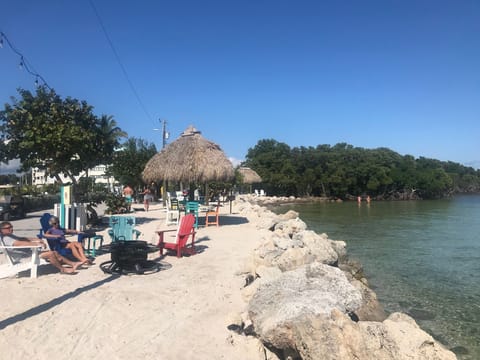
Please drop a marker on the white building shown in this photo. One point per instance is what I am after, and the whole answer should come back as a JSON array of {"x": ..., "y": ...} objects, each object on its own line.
[{"x": 98, "y": 173}]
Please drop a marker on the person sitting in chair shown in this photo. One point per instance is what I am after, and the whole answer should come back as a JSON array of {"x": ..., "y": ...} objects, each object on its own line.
[
  {"x": 52, "y": 257},
  {"x": 58, "y": 233}
]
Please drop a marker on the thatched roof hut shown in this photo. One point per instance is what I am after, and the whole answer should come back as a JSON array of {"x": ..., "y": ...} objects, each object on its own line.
[
  {"x": 190, "y": 159},
  {"x": 249, "y": 176}
]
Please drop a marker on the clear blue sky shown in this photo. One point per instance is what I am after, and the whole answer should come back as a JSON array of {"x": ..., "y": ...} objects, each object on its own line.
[{"x": 398, "y": 74}]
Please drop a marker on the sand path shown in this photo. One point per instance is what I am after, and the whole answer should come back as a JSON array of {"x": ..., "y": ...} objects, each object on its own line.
[{"x": 178, "y": 313}]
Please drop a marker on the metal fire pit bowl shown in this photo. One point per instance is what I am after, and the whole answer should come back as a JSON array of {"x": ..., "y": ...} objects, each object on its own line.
[{"x": 130, "y": 257}]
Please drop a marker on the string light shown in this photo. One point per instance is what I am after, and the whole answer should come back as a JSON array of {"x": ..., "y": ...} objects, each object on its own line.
[{"x": 23, "y": 64}]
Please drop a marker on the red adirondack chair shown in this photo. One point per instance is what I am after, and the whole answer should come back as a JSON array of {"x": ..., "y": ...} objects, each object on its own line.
[{"x": 184, "y": 231}]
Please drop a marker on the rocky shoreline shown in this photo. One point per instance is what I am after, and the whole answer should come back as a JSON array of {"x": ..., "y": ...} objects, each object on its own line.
[{"x": 306, "y": 300}]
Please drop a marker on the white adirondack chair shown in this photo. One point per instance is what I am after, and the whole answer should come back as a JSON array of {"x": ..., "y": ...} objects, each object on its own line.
[{"x": 11, "y": 267}]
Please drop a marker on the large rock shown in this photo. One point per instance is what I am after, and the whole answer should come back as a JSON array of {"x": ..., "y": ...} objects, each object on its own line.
[
  {"x": 318, "y": 246},
  {"x": 307, "y": 291},
  {"x": 336, "y": 336}
]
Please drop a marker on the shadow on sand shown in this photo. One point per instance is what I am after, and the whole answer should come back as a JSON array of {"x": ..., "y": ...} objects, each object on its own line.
[{"x": 54, "y": 302}]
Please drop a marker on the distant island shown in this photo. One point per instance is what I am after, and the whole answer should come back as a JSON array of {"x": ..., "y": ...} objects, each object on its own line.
[{"x": 343, "y": 171}]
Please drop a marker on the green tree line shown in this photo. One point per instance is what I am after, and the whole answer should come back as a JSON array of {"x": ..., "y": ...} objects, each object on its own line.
[{"x": 344, "y": 171}]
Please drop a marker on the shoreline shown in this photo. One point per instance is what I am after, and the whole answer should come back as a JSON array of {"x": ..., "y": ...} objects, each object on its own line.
[{"x": 91, "y": 315}]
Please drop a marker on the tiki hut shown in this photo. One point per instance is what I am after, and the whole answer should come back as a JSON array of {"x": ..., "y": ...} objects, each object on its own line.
[
  {"x": 249, "y": 176},
  {"x": 190, "y": 159}
]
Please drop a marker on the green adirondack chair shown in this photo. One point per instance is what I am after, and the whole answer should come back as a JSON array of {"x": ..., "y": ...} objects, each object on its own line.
[
  {"x": 123, "y": 228},
  {"x": 191, "y": 207}
]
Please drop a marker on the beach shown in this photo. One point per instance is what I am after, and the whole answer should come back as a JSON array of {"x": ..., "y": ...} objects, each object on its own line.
[
  {"x": 181, "y": 312},
  {"x": 199, "y": 307}
]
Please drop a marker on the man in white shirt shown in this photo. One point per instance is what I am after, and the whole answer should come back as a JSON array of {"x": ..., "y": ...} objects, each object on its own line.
[{"x": 54, "y": 258}]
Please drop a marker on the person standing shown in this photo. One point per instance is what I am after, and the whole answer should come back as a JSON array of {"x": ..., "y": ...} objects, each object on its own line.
[
  {"x": 147, "y": 197},
  {"x": 128, "y": 194}
]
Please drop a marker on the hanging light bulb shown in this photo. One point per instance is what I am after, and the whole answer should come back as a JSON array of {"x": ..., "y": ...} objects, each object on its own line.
[{"x": 21, "y": 63}]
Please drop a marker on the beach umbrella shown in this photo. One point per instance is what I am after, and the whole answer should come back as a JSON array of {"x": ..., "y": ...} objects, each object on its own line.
[
  {"x": 249, "y": 176},
  {"x": 189, "y": 159}
]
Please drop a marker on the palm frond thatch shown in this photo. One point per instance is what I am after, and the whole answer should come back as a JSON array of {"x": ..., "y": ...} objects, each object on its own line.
[
  {"x": 191, "y": 159},
  {"x": 249, "y": 176}
]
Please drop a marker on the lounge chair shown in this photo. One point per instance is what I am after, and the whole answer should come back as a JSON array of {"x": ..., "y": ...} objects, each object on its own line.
[
  {"x": 183, "y": 233},
  {"x": 13, "y": 265},
  {"x": 191, "y": 207},
  {"x": 52, "y": 242},
  {"x": 123, "y": 228},
  {"x": 173, "y": 212}
]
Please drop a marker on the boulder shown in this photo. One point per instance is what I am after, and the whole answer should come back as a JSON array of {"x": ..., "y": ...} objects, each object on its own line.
[
  {"x": 310, "y": 290},
  {"x": 336, "y": 336}
]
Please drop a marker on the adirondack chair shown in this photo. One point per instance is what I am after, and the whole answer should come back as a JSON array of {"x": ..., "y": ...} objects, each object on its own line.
[
  {"x": 191, "y": 207},
  {"x": 12, "y": 266},
  {"x": 173, "y": 212},
  {"x": 91, "y": 237},
  {"x": 53, "y": 243},
  {"x": 179, "y": 244},
  {"x": 211, "y": 216},
  {"x": 123, "y": 228}
]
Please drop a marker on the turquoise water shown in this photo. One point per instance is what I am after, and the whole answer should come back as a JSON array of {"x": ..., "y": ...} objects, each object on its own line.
[{"x": 420, "y": 257}]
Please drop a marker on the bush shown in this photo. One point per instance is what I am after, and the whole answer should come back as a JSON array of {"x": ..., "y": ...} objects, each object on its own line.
[{"x": 115, "y": 204}]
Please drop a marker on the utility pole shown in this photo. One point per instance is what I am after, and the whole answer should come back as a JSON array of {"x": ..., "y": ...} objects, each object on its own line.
[{"x": 165, "y": 134}]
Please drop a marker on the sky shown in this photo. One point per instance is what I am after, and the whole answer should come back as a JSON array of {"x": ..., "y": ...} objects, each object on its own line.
[{"x": 401, "y": 74}]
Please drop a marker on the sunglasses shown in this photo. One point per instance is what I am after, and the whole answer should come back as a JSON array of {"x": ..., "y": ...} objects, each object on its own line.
[{"x": 7, "y": 227}]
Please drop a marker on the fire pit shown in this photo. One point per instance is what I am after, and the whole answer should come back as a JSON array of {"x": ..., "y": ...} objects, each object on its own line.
[{"x": 130, "y": 257}]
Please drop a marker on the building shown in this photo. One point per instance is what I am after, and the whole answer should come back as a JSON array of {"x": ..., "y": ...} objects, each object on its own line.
[{"x": 98, "y": 173}]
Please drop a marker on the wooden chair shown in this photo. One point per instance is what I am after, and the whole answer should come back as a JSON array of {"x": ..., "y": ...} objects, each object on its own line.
[
  {"x": 184, "y": 231},
  {"x": 123, "y": 228},
  {"x": 13, "y": 266},
  {"x": 212, "y": 214},
  {"x": 191, "y": 207},
  {"x": 173, "y": 212}
]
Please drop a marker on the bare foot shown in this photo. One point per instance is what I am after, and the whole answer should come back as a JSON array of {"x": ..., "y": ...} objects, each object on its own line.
[
  {"x": 87, "y": 262},
  {"x": 68, "y": 271},
  {"x": 76, "y": 265}
]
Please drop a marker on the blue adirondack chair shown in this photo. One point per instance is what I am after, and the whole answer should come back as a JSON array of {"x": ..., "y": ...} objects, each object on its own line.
[
  {"x": 123, "y": 228},
  {"x": 53, "y": 243}
]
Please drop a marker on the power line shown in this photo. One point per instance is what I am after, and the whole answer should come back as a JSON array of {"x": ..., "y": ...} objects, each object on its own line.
[
  {"x": 24, "y": 63},
  {"x": 117, "y": 57}
]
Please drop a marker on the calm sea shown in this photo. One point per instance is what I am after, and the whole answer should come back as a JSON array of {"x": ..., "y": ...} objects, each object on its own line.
[{"x": 420, "y": 257}]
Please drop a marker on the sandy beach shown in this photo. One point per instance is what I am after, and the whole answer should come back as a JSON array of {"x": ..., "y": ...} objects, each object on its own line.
[{"x": 178, "y": 313}]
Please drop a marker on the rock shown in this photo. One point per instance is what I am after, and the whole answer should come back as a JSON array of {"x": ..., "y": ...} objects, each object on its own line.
[
  {"x": 335, "y": 336},
  {"x": 290, "y": 227},
  {"x": 318, "y": 247},
  {"x": 307, "y": 291}
]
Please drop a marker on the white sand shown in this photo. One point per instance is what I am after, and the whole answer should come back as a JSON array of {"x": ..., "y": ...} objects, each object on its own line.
[{"x": 179, "y": 313}]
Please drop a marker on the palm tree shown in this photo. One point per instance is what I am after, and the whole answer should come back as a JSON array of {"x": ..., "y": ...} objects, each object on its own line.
[{"x": 110, "y": 134}]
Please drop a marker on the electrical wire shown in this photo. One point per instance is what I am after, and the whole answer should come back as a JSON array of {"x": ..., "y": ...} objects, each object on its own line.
[
  {"x": 117, "y": 57},
  {"x": 24, "y": 63}
]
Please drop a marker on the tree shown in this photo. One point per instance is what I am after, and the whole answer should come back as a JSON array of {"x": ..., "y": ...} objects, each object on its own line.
[
  {"x": 129, "y": 162},
  {"x": 61, "y": 136},
  {"x": 110, "y": 134},
  {"x": 345, "y": 171}
]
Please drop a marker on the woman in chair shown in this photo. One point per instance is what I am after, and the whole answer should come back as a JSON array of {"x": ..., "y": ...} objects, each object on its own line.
[{"x": 58, "y": 233}]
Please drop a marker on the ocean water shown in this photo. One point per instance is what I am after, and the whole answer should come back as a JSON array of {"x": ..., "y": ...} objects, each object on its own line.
[{"x": 420, "y": 257}]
